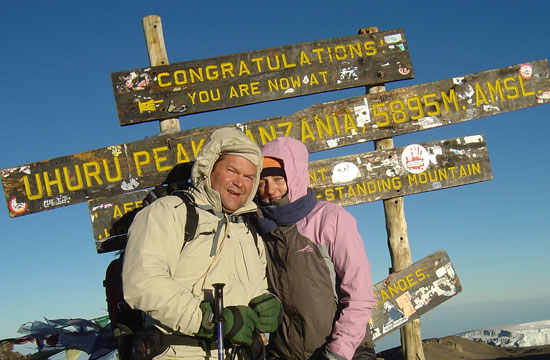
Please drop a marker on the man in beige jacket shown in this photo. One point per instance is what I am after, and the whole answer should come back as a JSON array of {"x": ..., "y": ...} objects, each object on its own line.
[{"x": 174, "y": 286}]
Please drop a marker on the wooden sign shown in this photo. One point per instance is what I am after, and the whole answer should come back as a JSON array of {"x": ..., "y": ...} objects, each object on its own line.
[
  {"x": 169, "y": 91},
  {"x": 412, "y": 292},
  {"x": 131, "y": 166},
  {"x": 345, "y": 180},
  {"x": 111, "y": 218},
  {"x": 384, "y": 174}
]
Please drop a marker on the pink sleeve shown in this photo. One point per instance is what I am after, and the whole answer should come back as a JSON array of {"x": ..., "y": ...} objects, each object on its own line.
[{"x": 357, "y": 294}]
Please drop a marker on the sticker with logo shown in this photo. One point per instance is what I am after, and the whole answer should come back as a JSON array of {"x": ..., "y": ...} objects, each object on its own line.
[
  {"x": 526, "y": 71},
  {"x": 415, "y": 159},
  {"x": 17, "y": 207}
]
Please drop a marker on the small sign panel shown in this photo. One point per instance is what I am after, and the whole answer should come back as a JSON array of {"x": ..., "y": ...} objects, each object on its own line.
[{"x": 412, "y": 292}]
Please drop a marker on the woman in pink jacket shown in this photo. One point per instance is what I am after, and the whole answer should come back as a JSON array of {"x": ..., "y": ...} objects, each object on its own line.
[{"x": 317, "y": 264}]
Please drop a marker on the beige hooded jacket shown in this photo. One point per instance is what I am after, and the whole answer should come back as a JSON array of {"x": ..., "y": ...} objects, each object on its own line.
[{"x": 168, "y": 283}]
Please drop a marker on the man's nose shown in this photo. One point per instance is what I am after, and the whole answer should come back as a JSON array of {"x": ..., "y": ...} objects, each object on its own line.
[{"x": 238, "y": 181}]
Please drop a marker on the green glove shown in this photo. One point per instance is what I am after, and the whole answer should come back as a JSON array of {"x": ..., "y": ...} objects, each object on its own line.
[
  {"x": 269, "y": 310},
  {"x": 207, "y": 324},
  {"x": 238, "y": 324}
]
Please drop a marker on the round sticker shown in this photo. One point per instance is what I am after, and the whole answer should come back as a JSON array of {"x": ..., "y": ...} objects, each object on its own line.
[
  {"x": 17, "y": 208},
  {"x": 415, "y": 158},
  {"x": 526, "y": 71},
  {"x": 404, "y": 70}
]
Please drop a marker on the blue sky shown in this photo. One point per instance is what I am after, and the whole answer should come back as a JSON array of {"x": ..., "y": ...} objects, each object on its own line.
[{"x": 57, "y": 100}]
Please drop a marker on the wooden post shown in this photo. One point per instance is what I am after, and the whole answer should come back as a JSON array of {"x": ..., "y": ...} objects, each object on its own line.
[
  {"x": 152, "y": 27},
  {"x": 398, "y": 242}
]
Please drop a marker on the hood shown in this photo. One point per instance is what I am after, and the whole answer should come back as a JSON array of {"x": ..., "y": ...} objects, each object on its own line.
[
  {"x": 224, "y": 141},
  {"x": 294, "y": 155}
]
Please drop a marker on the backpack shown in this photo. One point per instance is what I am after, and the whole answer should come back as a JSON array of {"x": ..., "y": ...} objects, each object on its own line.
[{"x": 126, "y": 321}]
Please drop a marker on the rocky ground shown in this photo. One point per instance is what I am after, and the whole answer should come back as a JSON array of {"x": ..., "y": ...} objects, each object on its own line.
[{"x": 455, "y": 348}]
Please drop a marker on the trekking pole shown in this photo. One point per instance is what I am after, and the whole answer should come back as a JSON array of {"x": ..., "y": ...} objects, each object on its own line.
[
  {"x": 218, "y": 316},
  {"x": 233, "y": 352}
]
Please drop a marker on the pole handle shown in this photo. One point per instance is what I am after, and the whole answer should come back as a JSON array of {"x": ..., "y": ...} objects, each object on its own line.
[
  {"x": 218, "y": 302},
  {"x": 218, "y": 317}
]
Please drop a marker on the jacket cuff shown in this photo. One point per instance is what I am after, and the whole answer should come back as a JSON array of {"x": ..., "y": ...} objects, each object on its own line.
[{"x": 331, "y": 355}]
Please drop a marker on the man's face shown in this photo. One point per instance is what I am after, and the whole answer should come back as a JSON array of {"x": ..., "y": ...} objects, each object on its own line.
[
  {"x": 233, "y": 177},
  {"x": 272, "y": 188}
]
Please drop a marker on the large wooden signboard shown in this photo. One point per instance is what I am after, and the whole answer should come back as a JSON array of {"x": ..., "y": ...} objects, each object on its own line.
[
  {"x": 131, "y": 166},
  {"x": 412, "y": 292},
  {"x": 168, "y": 91},
  {"x": 345, "y": 180}
]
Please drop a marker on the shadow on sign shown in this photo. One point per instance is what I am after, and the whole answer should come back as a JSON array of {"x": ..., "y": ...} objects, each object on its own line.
[{"x": 178, "y": 179}]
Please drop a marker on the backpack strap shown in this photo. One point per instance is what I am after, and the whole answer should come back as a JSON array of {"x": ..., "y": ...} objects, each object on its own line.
[
  {"x": 249, "y": 224},
  {"x": 254, "y": 235},
  {"x": 192, "y": 220},
  {"x": 191, "y": 223}
]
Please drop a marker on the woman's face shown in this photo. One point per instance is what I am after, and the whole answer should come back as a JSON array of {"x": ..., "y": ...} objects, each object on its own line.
[{"x": 272, "y": 188}]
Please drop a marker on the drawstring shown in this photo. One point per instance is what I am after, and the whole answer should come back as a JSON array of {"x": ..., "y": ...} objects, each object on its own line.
[
  {"x": 221, "y": 223},
  {"x": 224, "y": 218},
  {"x": 214, "y": 252}
]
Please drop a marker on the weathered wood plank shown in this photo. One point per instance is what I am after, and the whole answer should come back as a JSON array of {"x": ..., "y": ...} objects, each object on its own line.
[
  {"x": 412, "y": 292},
  {"x": 68, "y": 180},
  {"x": 111, "y": 218},
  {"x": 413, "y": 169},
  {"x": 345, "y": 180},
  {"x": 161, "y": 92}
]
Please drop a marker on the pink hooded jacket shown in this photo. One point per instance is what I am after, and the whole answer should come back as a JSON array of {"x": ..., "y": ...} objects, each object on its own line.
[{"x": 328, "y": 226}]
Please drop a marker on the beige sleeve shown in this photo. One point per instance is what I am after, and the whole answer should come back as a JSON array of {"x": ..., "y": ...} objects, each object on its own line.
[{"x": 155, "y": 240}]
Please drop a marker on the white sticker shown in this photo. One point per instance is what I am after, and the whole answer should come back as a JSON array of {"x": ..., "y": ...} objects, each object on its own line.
[
  {"x": 362, "y": 113},
  {"x": 116, "y": 150},
  {"x": 344, "y": 172},
  {"x": 544, "y": 98},
  {"x": 130, "y": 185},
  {"x": 445, "y": 270},
  {"x": 347, "y": 73},
  {"x": 404, "y": 70},
  {"x": 415, "y": 159},
  {"x": 390, "y": 39},
  {"x": 473, "y": 139},
  {"x": 526, "y": 71},
  {"x": 458, "y": 80},
  {"x": 17, "y": 207}
]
